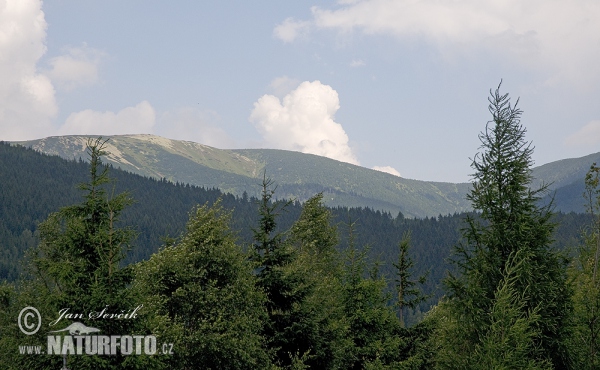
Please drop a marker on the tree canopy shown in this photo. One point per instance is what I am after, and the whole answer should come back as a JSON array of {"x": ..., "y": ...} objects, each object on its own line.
[{"x": 511, "y": 230}]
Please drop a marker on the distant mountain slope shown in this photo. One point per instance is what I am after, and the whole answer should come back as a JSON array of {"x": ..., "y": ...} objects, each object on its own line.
[
  {"x": 566, "y": 181},
  {"x": 345, "y": 183},
  {"x": 566, "y": 171},
  {"x": 300, "y": 175}
]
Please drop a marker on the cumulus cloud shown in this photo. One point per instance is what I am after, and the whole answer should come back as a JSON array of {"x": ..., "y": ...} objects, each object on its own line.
[
  {"x": 27, "y": 97},
  {"x": 588, "y": 135},
  {"x": 131, "y": 120},
  {"x": 194, "y": 125},
  {"x": 524, "y": 31},
  {"x": 304, "y": 121},
  {"x": 290, "y": 29},
  {"x": 357, "y": 63},
  {"x": 387, "y": 169},
  {"x": 77, "y": 67}
]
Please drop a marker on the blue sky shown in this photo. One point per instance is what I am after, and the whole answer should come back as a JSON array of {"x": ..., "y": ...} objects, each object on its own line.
[{"x": 400, "y": 85}]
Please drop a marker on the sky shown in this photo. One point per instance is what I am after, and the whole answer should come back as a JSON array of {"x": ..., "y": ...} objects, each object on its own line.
[{"x": 396, "y": 85}]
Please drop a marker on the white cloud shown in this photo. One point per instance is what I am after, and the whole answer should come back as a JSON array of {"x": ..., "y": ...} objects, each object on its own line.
[
  {"x": 290, "y": 29},
  {"x": 588, "y": 135},
  {"x": 559, "y": 37},
  {"x": 387, "y": 169},
  {"x": 194, "y": 125},
  {"x": 304, "y": 121},
  {"x": 77, "y": 67},
  {"x": 357, "y": 63},
  {"x": 131, "y": 120},
  {"x": 458, "y": 20},
  {"x": 27, "y": 98}
]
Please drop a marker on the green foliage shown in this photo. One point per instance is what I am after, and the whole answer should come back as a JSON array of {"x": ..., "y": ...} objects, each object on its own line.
[
  {"x": 407, "y": 294},
  {"x": 504, "y": 336},
  {"x": 293, "y": 300},
  {"x": 203, "y": 294},
  {"x": 315, "y": 237},
  {"x": 51, "y": 185},
  {"x": 81, "y": 245},
  {"x": 510, "y": 221},
  {"x": 288, "y": 326},
  {"x": 584, "y": 273},
  {"x": 77, "y": 265},
  {"x": 372, "y": 323},
  {"x": 376, "y": 337}
]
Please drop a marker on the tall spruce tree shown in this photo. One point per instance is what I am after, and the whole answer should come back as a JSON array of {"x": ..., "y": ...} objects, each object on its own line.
[
  {"x": 77, "y": 266},
  {"x": 315, "y": 239},
  {"x": 510, "y": 223},
  {"x": 408, "y": 295},
  {"x": 286, "y": 287}
]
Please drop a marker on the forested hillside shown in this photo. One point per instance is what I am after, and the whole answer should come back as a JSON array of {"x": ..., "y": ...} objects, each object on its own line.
[
  {"x": 161, "y": 209},
  {"x": 262, "y": 282},
  {"x": 301, "y": 175},
  {"x": 238, "y": 171}
]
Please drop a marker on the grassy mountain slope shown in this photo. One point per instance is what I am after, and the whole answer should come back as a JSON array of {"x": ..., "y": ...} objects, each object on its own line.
[
  {"x": 565, "y": 172},
  {"x": 344, "y": 183},
  {"x": 153, "y": 156},
  {"x": 565, "y": 179},
  {"x": 298, "y": 175},
  {"x": 302, "y": 175}
]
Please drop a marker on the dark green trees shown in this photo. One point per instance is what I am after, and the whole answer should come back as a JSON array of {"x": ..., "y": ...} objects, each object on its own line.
[
  {"x": 506, "y": 258},
  {"x": 203, "y": 296},
  {"x": 82, "y": 245},
  {"x": 315, "y": 238},
  {"x": 285, "y": 286},
  {"x": 586, "y": 280},
  {"x": 407, "y": 294},
  {"x": 376, "y": 337},
  {"x": 77, "y": 266},
  {"x": 373, "y": 328}
]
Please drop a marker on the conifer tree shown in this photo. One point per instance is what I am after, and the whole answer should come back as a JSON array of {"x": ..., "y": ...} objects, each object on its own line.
[
  {"x": 204, "y": 298},
  {"x": 586, "y": 279},
  {"x": 510, "y": 220},
  {"x": 315, "y": 238},
  {"x": 373, "y": 328},
  {"x": 407, "y": 294},
  {"x": 286, "y": 287},
  {"x": 82, "y": 245},
  {"x": 77, "y": 266}
]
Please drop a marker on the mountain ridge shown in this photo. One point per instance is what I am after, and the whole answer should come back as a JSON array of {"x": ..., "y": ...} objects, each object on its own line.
[{"x": 299, "y": 175}]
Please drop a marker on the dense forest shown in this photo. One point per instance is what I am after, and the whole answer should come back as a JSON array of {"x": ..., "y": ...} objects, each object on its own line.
[
  {"x": 160, "y": 210},
  {"x": 226, "y": 282}
]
